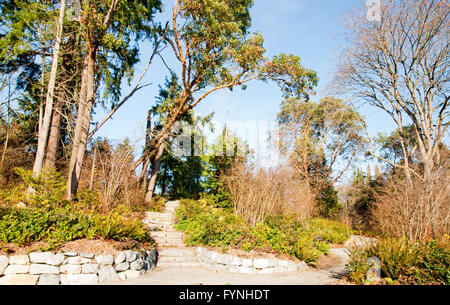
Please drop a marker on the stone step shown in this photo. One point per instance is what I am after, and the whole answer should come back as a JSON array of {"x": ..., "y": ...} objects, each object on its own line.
[
  {"x": 178, "y": 259},
  {"x": 159, "y": 223},
  {"x": 175, "y": 252},
  {"x": 173, "y": 204},
  {"x": 168, "y": 234},
  {"x": 177, "y": 264},
  {"x": 170, "y": 210},
  {"x": 158, "y": 228},
  {"x": 171, "y": 244},
  {"x": 149, "y": 215},
  {"x": 170, "y": 241}
]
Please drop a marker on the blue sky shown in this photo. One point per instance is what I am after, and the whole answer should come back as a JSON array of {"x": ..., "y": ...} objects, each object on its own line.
[{"x": 306, "y": 28}]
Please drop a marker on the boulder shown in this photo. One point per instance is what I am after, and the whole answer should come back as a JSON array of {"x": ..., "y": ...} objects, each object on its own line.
[
  {"x": 17, "y": 269},
  {"x": 48, "y": 279},
  {"x": 104, "y": 260},
  {"x": 107, "y": 274},
  {"x": 3, "y": 263},
  {"x": 260, "y": 263},
  {"x": 78, "y": 279},
  {"x": 19, "y": 279},
  {"x": 43, "y": 269},
  {"x": 19, "y": 260}
]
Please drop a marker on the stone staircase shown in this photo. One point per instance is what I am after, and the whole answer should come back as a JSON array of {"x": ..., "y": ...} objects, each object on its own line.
[{"x": 172, "y": 251}]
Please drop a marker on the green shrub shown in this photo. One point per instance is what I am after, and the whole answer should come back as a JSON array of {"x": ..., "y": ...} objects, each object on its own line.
[
  {"x": 58, "y": 225},
  {"x": 49, "y": 187},
  {"x": 329, "y": 230},
  {"x": 404, "y": 262},
  {"x": 208, "y": 226},
  {"x": 214, "y": 227}
]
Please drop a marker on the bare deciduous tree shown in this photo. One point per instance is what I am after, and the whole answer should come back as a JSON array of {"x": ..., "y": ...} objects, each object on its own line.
[{"x": 400, "y": 65}]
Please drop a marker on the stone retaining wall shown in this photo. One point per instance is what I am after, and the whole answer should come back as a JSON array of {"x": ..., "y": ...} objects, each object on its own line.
[
  {"x": 72, "y": 268},
  {"x": 229, "y": 263}
]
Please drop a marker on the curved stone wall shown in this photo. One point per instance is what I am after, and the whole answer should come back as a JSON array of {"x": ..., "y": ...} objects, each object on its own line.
[
  {"x": 72, "y": 268},
  {"x": 229, "y": 263}
]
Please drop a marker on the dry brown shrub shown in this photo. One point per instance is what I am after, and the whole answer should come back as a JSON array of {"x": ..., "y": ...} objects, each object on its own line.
[
  {"x": 415, "y": 210},
  {"x": 256, "y": 194}
]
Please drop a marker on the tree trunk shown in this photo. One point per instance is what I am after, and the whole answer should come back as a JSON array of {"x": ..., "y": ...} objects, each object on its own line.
[
  {"x": 154, "y": 175},
  {"x": 148, "y": 138},
  {"x": 81, "y": 132},
  {"x": 91, "y": 182},
  {"x": 45, "y": 127},
  {"x": 67, "y": 67},
  {"x": 54, "y": 137}
]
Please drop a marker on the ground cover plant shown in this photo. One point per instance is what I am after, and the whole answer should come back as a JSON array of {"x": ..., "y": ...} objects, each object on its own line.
[{"x": 215, "y": 227}]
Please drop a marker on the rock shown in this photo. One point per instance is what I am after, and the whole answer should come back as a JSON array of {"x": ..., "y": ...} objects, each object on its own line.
[
  {"x": 90, "y": 268},
  {"x": 21, "y": 205},
  {"x": 131, "y": 256},
  {"x": 247, "y": 262},
  {"x": 151, "y": 264},
  {"x": 40, "y": 257},
  {"x": 357, "y": 242},
  {"x": 283, "y": 263},
  {"x": 232, "y": 269},
  {"x": 87, "y": 255},
  {"x": 78, "y": 260},
  {"x": 291, "y": 266},
  {"x": 246, "y": 270},
  {"x": 237, "y": 261},
  {"x": 56, "y": 260},
  {"x": 272, "y": 262},
  {"x": 122, "y": 275},
  {"x": 137, "y": 264},
  {"x": 71, "y": 254},
  {"x": 123, "y": 266},
  {"x": 70, "y": 269},
  {"x": 104, "y": 260},
  {"x": 224, "y": 259},
  {"x": 19, "y": 260},
  {"x": 302, "y": 266},
  {"x": 120, "y": 258},
  {"x": 3, "y": 263},
  {"x": 17, "y": 269},
  {"x": 46, "y": 258},
  {"x": 19, "y": 279},
  {"x": 78, "y": 279},
  {"x": 43, "y": 269},
  {"x": 212, "y": 255},
  {"x": 260, "y": 263},
  {"x": 48, "y": 279},
  {"x": 107, "y": 274},
  {"x": 153, "y": 255},
  {"x": 132, "y": 274}
]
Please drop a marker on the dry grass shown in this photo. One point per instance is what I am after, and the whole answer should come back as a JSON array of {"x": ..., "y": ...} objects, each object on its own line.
[{"x": 272, "y": 192}]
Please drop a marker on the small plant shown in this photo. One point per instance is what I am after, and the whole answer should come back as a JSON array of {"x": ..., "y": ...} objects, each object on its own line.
[{"x": 48, "y": 188}]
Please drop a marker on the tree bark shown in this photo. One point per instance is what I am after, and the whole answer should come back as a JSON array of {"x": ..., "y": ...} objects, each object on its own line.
[
  {"x": 148, "y": 138},
  {"x": 45, "y": 127},
  {"x": 54, "y": 136},
  {"x": 81, "y": 131},
  {"x": 155, "y": 171}
]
